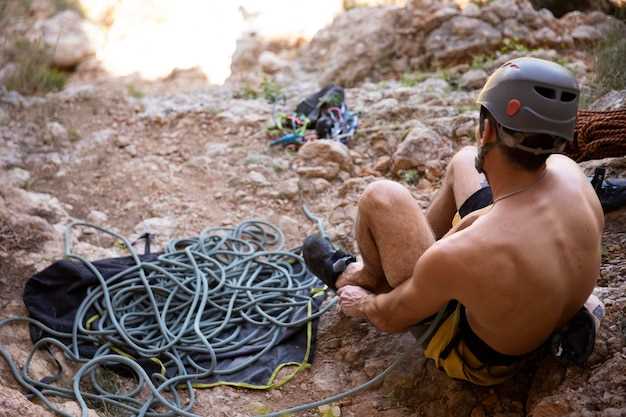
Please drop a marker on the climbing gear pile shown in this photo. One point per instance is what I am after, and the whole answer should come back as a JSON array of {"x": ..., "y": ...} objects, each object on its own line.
[
  {"x": 184, "y": 311},
  {"x": 325, "y": 111},
  {"x": 599, "y": 134}
]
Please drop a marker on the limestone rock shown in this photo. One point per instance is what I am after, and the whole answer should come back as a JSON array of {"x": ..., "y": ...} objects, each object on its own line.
[
  {"x": 6, "y": 72},
  {"x": 164, "y": 227},
  {"x": 16, "y": 177},
  {"x": 473, "y": 79},
  {"x": 328, "y": 171},
  {"x": 326, "y": 150},
  {"x": 320, "y": 185},
  {"x": 383, "y": 164},
  {"x": 69, "y": 37},
  {"x": 354, "y": 46},
  {"x": 46, "y": 206},
  {"x": 97, "y": 217},
  {"x": 257, "y": 179},
  {"x": 58, "y": 132},
  {"x": 613, "y": 100},
  {"x": 504, "y": 9},
  {"x": 586, "y": 33},
  {"x": 546, "y": 36},
  {"x": 420, "y": 146},
  {"x": 271, "y": 63},
  {"x": 288, "y": 188},
  {"x": 122, "y": 141},
  {"x": 459, "y": 37}
]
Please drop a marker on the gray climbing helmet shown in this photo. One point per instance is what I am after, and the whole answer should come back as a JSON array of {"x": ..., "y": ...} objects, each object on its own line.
[{"x": 530, "y": 95}]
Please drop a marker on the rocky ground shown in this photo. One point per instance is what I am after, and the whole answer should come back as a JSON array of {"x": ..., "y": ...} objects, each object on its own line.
[{"x": 176, "y": 159}]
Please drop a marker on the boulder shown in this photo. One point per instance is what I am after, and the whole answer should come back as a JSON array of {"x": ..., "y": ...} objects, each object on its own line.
[
  {"x": 70, "y": 38},
  {"x": 354, "y": 46},
  {"x": 288, "y": 188},
  {"x": 257, "y": 179},
  {"x": 163, "y": 227},
  {"x": 586, "y": 33},
  {"x": 420, "y": 146},
  {"x": 326, "y": 150},
  {"x": 473, "y": 79},
  {"x": 272, "y": 63},
  {"x": 58, "y": 132},
  {"x": 613, "y": 100},
  {"x": 459, "y": 37},
  {"x": 328, "y": 171},
  {"x": 17, "y": 177}
]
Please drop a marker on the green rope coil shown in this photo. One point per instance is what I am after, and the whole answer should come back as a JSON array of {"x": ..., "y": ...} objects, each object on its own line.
[{"x": 192, "y": 300}]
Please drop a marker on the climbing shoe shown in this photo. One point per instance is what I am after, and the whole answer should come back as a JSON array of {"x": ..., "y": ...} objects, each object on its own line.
[
  {"x": 611, "y": 192},
  {"x": 324, "y": 261}
]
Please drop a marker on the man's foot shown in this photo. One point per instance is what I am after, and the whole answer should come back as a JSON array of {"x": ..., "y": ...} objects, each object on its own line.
[
  {"x": 611, "y": 192},
  {"x": 324, "y": 261}
]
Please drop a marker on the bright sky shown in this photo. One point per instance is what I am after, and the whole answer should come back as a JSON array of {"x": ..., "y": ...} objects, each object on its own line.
[{"x": 152, "y": 37}]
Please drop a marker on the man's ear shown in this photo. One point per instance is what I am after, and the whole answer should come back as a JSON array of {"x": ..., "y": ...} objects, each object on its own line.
[{"x": 488, "y": 133}]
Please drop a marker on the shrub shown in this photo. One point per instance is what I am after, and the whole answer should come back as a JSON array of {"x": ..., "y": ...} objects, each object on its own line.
[
  {"x": 272, "y": 92},
  {"x": 609, "y": 61},
  {"x": 33, "y": 73}
]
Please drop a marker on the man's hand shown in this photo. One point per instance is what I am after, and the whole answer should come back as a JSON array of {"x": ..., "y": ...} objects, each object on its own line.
[{"x": 352, "y": 300}]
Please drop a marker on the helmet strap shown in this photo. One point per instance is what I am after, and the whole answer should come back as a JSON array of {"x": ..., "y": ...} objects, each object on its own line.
[
  {"x": 516, "y": 142},
  {"x": 479, "y": 162}
]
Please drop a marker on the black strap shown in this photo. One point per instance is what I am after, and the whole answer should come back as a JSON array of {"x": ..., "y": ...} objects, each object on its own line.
[{"x": 145, "y": 237}]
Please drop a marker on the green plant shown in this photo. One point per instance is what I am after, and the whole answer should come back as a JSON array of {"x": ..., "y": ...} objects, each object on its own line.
[
  {"x": 271, "y": 90},
  {"x": 34, "y": 73},
  {"x": 134, "y": 91},
  {"x": 480, "y": 61},
  {"x": 410, "y": 176},
  {"x": 513, "y": 45},
  {"x": 609, "y": 61},
  {"x": 410, "y": 79},
  {"x": 73, "y": 134},
  {"x": 247, "y": 92}
]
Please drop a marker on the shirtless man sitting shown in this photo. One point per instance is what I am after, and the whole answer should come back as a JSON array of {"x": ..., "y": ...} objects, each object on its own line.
[{"x": 520, "y": 262}]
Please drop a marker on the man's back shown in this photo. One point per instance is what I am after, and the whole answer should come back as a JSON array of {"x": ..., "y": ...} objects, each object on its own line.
[{"x": 530, "y": 262}]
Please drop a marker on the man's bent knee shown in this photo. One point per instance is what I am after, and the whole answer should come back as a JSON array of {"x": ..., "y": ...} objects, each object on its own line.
[
  {"x": 383, "y": 195},
  {"x": 465, "y": 154}
]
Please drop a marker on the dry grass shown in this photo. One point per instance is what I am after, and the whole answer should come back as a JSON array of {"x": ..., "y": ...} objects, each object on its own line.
[
  {"x": 609, "y": 58},
  {"x": 34, "y": 73}
]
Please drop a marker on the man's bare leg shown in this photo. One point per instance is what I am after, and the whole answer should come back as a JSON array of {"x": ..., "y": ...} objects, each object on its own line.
[
  {"x": 460, "y": 182},
  {"x": 392, "y": 233}
]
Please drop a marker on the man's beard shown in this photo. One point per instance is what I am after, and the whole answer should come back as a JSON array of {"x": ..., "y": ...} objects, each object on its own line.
[{"x": 479, "y": 162}]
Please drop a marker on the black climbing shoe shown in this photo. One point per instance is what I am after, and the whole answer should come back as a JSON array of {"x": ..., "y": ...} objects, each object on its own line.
[
  {"x": 324, "y": 261},
  {"x": 611, "y": 192}
]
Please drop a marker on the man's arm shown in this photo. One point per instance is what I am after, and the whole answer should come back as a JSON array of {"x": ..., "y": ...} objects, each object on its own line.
[{"x": 432, "y": 285}]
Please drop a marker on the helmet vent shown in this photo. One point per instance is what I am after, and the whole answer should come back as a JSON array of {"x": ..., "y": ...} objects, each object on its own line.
[
  {"x": 546, "y": 92},
  {"x": 567, "y": 96}
]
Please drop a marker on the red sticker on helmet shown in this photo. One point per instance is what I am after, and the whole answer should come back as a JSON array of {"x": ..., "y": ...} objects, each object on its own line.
[{"x": 512, "y": 108}]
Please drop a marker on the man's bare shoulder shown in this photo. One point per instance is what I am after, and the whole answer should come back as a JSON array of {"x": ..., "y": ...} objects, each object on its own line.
[
  {"x": 561, "y": 164},
  {"x": 460, "y": 259}
]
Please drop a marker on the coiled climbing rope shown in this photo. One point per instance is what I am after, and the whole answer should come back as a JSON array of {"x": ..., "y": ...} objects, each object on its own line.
[
  {"x": 189, "y": 304},
  {"x": 599, "y": 134}
]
